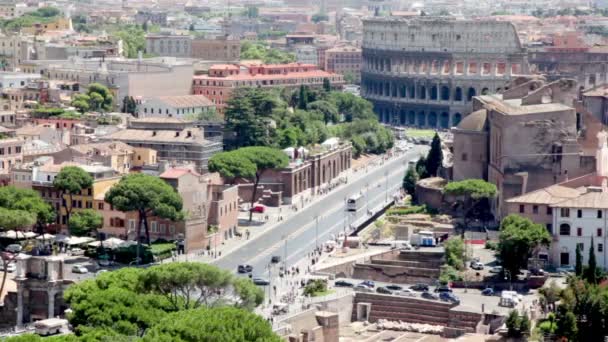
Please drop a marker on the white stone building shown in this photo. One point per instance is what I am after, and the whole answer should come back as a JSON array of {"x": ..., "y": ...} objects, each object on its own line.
[{"x": 175, "y": 106}]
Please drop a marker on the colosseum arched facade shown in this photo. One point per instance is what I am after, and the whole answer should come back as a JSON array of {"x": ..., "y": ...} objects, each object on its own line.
[{"x": 424, "y": 71}]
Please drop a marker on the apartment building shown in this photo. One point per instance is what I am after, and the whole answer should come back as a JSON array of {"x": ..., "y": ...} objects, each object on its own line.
[
  {"x": 344, "y": 60},
  {"x": 10, "y": 153},
  {"x": 175, "y": 106},
  {"x": 169, "y": 45},
  {"x": 223, "y": 79},
  {"x": 223, "y": 48}
]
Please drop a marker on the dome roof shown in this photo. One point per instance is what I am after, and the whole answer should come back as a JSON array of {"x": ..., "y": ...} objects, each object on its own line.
[{"x": 475, "y": 121}]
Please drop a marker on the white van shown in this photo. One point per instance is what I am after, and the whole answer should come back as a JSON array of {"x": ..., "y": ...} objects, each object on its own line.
[{"x": 51, "y": 326}]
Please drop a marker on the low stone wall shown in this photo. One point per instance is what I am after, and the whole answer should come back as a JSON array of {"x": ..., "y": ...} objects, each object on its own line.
[
  {"x": 417, "y": 310},
  {"x": 394, "y": 274}
]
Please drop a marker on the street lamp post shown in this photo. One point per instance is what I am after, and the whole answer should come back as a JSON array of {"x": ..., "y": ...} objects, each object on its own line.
[
  {"x": 367, "y": 197},
  {"x": 316, "y": 231},
  {"x": 386, "y": 186},
  {"x": 507, "y": 273},
  {"x": 285, "y": 252}
]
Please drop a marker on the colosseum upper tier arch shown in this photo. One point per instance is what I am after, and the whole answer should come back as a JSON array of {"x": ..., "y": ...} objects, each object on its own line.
[{"x": 425, "y": 71}]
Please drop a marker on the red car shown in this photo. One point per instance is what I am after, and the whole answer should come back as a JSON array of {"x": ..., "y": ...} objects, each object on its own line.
[{"x": 258, "y": 209}]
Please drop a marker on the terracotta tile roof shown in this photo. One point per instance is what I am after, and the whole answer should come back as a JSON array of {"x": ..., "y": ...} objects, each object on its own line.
[
  {"x": 260, "y": 77},
  {"x": 590, "y": 200},
  {"x": 176, "y": 173},
  {"x": 196, "y": 136},
  {"x": 104, "y": 148},
  {"x": 186, "y": 101},
  {"x": 549, "y": 195}
]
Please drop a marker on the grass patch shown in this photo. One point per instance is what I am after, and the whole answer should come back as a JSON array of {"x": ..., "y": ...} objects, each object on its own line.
[
  {"x": 162, "y": 250},
  {"x": 323, "y": 293},
  {"x": 419, "y": 133}
]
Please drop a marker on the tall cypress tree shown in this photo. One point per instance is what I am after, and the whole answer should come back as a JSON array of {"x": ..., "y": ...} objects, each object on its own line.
[
  {"x": 435, "y": 157},
  {"x": 578, "y": 269},
  {"x": 592, "y": 265}
]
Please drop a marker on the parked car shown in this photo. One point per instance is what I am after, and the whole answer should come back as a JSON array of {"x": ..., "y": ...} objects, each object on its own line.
[
  {"x": 261, "y": 281},
  {"x": 406, "y": 293},
  {"x": 383, "y": 290},
  {"x": 496, "y": 269},
  {"x": 477, "y": 265},
  {"x": 394, "y": 287},
  {"x": 487, "y": 292},
  {"x": 10, "y": 268},
  {"x": 343, "y": 283},
  {"x": 275, "y": 259},
  {"x": 363, "y": 288},
  {"x": 258, "y": 209},
  {"x": 369, "y": 283},
  {"x": 245, "y": 268},
  {"x": 428, "y": 295},
  {"x": 420, "y": 287},
  {"x": 76, "y": 252},
  {"x": 79, "y": 269},
  {"x": 443, "y": 288},
  {"x": 449, "y": 297},
  {"x": 14, "y": 248},
  {"x": 565, "y": 269},
  {"x": 537, "y": 271}
]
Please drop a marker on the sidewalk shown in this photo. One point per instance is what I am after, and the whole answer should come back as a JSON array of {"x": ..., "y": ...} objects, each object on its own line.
[{"x": 276, "y": 216}]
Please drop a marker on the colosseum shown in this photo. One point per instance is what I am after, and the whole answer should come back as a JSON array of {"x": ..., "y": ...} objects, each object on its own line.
[{"x": 424, "y": 71}]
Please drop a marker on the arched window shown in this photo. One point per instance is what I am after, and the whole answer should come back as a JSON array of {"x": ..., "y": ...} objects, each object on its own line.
[
  {"x": 434, "y": 93},
  {"x": 445, "y": 93},
  {"x": 471, "y": 93},
  {"x": 564, "y": 229},
  {"x": 458, "y": 94}
]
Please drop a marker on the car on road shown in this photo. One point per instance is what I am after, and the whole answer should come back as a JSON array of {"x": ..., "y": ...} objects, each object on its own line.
[
  {"x": 343, "y": 283},
  {"x": 428, "y": 295},
  {"x": 275, "y": 259},
  {"x": 394, "y": 287},
  {"x": 477, "y": 265},
  {"x": 383, "y": 290},
  {"x": 487, "y": 292},
  {"x": 420, "y": 287},
  {"x": 245, "y": 269},
  {"x": 443, "y": 288},
  {"x": 76, "y": 252},
  {"x": 449, "y": 297},
  {"x": 369, "y": 283},
  {"x": 363, "y": 288},
  {"x": 261, "y": 281},
  {"x": 258, "y": 209},
  {"x": 496, "y": 269},
  {"x": 79, "y": 269},
  {"x": 13, "y": 248},
  {"x": 406, "y": 293},
  {"x": 565, "y": 269}
]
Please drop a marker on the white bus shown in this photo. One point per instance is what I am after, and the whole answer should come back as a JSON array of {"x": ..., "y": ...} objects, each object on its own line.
[{"x": 354, "y": 203}]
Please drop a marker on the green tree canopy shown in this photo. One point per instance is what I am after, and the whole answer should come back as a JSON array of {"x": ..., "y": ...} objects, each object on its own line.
[
  {"x": 134, "y": 302},
  {"x": 472, "y": 198},
  {"x": 519, "y": 238},
  {"x": 100, "y": 97},
  {"x": 83, "y": 222},
  {"x": 212, "y": 325},
  {"x": 409, "y": 181},
  {"x": 27, "y": 200},
  {"x": 148, "y": 195},
  {"x": 69, "y": 181},
  {"x": 434, "y": 158},
  {"x": 454, "y": 253},
  {"x": 264, "y": 158},
  {"x": 328, "y": 109},
  {"x": 191, "y": 285},
  {"x": 262, "y": 52},
  {"x": 231, "y": 165}
]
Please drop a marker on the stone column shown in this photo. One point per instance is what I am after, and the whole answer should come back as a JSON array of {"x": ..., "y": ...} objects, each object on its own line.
[
  {"x": 51, "y": 309},
  {"x": 19, "y": 307}
]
